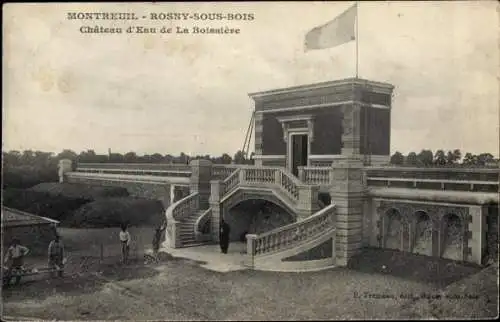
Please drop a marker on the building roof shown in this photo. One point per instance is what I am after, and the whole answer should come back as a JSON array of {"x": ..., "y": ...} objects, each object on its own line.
[
  {"x": 13, "y": 217},
  {"x": 335, "y": 83}
]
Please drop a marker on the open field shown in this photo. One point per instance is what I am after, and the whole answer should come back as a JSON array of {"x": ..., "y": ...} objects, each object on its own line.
[{"x": 180, "y": 289}]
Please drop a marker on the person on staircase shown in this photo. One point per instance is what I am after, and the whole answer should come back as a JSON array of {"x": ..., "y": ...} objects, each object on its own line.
[{"x": 224, "y": 236}]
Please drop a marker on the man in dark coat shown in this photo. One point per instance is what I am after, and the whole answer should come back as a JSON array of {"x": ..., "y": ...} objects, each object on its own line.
[{"x": 224, "y": 236}]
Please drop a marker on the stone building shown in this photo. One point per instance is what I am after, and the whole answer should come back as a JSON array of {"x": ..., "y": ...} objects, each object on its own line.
[
  {"x": 33, "y": 231},
  {"x": 307, "y": 125}
]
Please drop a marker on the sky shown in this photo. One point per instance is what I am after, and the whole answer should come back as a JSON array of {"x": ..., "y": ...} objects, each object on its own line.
[{"x": 172, "y": 93}]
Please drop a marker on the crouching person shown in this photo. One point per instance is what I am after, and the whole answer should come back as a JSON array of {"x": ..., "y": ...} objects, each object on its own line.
[{"x": 56, "y": 257}]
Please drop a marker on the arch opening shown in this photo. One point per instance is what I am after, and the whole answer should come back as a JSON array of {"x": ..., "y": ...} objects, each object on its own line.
[
  {"x": 453, "y": 236},
  {"x": 394, "y": 230},
  {"x": 423, "y": 234},
  {"x": 255, "y": 216}
]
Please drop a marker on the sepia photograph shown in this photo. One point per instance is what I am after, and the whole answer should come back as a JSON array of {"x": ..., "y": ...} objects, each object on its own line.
[{"x": 272, "y": 161}]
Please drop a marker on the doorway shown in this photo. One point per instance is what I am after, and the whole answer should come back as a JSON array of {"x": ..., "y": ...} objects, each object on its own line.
[{"x": 298, "y": 152}]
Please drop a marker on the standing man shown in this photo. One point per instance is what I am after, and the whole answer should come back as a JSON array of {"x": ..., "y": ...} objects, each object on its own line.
[
  {"x": 224, "y": 236},
  {"x": 125, "y": 242},
  {"x": 156, "y": 239},
  {"x": 14, "y": 259},
  {"x": 56, "y": 256}
]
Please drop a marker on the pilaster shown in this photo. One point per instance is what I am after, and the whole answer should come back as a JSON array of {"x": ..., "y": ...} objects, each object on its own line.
[
  {"x": 348, "y": 194},
  {"x": 216, "y": 194},
  {"x": 477, "y": 232},
  {"x": 65, "y": 165},
  {"x": 351, "y": 129},
  {"x": 201, "y": 174}
]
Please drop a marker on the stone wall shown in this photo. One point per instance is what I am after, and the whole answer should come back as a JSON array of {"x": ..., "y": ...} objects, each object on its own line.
[{"x": 322, "y": 251}]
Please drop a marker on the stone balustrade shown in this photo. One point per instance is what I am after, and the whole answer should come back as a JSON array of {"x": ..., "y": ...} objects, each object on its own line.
[
  {"x": 453, "y": 179},
  {"x": 272, "y": 176},
  {"x": 140, "y": 172},
  {"x": 222, "y": 171},
  {"x": 315, "y": 175},
  {"x": 136, "y": 166},
  {"x": 291, "y": 235},
  {"x": 175, "y": 213},
  {"x": 232, "y": 181}
]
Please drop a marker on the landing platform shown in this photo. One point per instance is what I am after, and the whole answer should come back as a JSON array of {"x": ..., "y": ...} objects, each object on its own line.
[{"x": 212, "y": 257}]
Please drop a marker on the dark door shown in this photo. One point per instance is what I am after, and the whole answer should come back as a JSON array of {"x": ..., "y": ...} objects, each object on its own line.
[{"x": 299, "y": 152}]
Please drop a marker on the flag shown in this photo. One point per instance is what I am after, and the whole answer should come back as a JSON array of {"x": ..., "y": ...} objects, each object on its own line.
[{"x": 334, "y": 33}]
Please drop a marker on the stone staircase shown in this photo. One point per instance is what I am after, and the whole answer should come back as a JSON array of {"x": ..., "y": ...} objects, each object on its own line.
[{"x": 186, "y": 226}]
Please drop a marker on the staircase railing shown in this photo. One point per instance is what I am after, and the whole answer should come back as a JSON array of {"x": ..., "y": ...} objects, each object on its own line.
[
  {"x": 202, "y": 226},
  {"x": 222, "y": 171},
  {"x": 230, "y": 182},
  {"x": 178, "y": 211},
  {"x": 264, "y": 175},
  {"x": 292, "y": 235}
]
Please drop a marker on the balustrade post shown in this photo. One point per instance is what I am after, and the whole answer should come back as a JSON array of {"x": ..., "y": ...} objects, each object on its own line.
[
  {"x": 277, "y": 177},
  {"x": 65, "y": 165},
  {"x": 330, "y": 177},
  {"x": 302, "y": 173},
  {"x": 215, "y": 197},
  {"x": 308, "y": 200},
  {"x": 242, "y": 175},
  {"x": 201, "y": 173},
  {"x": 251, "y": 244}
]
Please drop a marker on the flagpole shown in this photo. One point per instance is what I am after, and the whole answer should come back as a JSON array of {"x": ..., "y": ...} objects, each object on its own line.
[{"x": 357, "y": 35}]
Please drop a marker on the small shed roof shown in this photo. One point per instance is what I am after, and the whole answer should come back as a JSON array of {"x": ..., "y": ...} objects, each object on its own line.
[{"x": 13, "y": 217}]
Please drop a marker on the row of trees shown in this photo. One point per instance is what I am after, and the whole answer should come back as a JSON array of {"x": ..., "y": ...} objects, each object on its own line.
[
  {"x": 41, "y": 160},
  {"x": 427, "y": 158}
]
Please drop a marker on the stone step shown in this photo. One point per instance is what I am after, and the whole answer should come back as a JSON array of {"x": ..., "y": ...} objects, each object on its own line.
[{"x": 195, "y": 244}]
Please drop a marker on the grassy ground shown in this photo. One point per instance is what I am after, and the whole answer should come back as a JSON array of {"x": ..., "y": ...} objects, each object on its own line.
[{"x": 180, "y": 289}]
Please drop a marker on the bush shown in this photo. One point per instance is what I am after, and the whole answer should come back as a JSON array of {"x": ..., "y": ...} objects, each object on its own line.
[
  {"x": 27, "y": 176},
  {"x": 41, "y": 203},
  {"x": 112, "y": 212},
  {"x": 77, "y": 190}
]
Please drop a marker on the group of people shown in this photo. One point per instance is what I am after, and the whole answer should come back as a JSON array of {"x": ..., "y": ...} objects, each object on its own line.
[
  {"x": 15, "y": 254},
  {"x": 125, "y": 241}
]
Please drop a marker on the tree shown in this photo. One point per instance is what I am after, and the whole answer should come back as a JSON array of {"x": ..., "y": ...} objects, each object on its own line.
[
  {"x": 226, "y": 159},
  {"x": 440, "y": 158},
  {"x": 87, "y": 156},
  {"x": 397, "y": 158},
  {"x": 168, "y": 158},
  {"x": 130, "y": 157},
  {"x": 412, "y": 159},
  {"x": 239, "y": 157},
  {"x": 485, "y": 158},
  {"x": 453, "y": 157},
  {"x": 425, "y": 158},
  {"x": 156, "y": 158},
  {"x": 115, "y": 158},
  {"x": 469, "y": 159}
]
